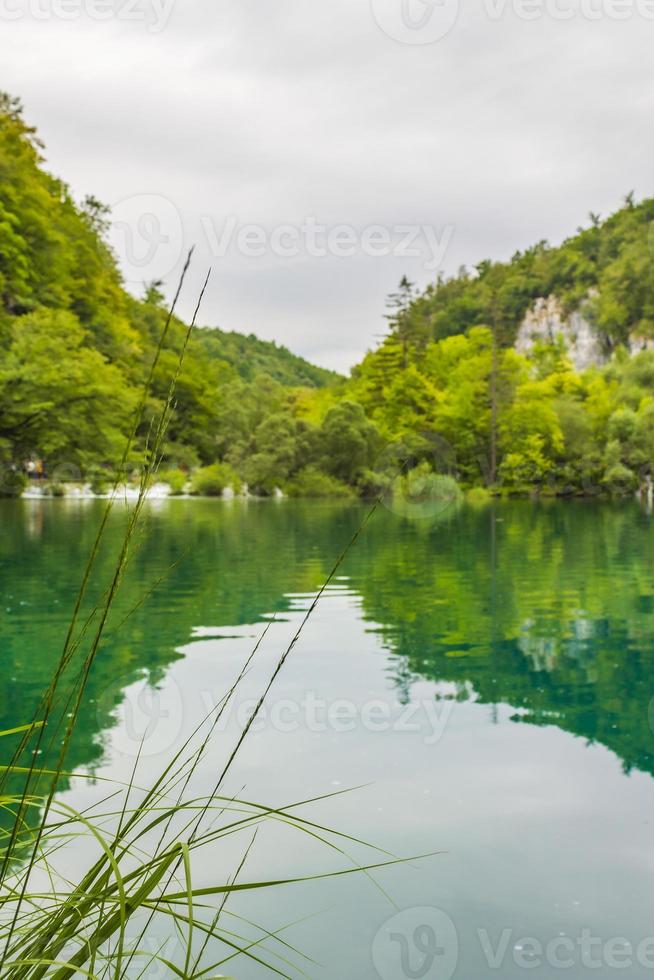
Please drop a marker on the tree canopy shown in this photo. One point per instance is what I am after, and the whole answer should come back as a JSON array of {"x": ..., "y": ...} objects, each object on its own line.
[{"x": 75, "y": 346}]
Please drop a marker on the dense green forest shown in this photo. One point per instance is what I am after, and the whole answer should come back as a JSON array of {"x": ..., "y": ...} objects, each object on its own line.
[
  {"x": 76, "y": 345},
  {"x": 444, "y": 391}
]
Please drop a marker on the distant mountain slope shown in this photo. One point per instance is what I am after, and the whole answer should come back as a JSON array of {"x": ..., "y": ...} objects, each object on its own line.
[
  {"x": 249, "y": 356},
  {"x": 607, "y": 269},
  {"x": 438, "y": 394},
  {"x": 53, "y": 255},
  {"x": 75, "y": 346},
  {"x": 520, "y": 374}
]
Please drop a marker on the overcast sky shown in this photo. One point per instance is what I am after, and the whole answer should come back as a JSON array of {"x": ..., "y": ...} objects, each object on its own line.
[{"x": 435, "y": 135}]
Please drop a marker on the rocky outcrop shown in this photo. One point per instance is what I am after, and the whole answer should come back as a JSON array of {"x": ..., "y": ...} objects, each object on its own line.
[
  {"x": 638, "y": 344},
  {"x": 546, "y": 322}
]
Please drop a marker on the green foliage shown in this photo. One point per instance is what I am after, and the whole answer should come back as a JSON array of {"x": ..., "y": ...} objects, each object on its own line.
[
  {"x": 72, "y": 925},
  {"x": 176, "y": 480},
  {"x": 12, "y": 482},
  {"x": 607, "y": 267},
  {"x": 423, "y": 494},
  {"x": 99, "y": 485},
  {"x": 212, "y": 481},
  {"x": 619, "y": 479},
  {"x": 75, "y": 346},
  {"x": 556, "y": 431},
  {"x": 528, "y": 468},
  {"x": 249, "y": 357},
  {"x": 348, "y": 441},
  {"x": 478, "y": 496},
  {"x": 312, "y": 482},
  {"x": 422, "y": 484},
  {"x": 58, "y": 395},
  {"x": 274, "y": 452}
]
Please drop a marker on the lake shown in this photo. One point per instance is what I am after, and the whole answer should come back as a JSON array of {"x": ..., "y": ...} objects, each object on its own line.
[{"x": 477, "y": 684}]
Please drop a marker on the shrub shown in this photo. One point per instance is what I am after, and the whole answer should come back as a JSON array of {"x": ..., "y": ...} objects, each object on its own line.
[
  {"x": 423, "y": 494},
  {"x": 99, "y": 478},
  {"x": 619, "y": 480},
  {"x": 176, "y": 480},
  {"x": 312, "y": 482},
  {"x": 99, "y": 485},
  {"x": 421, "y": 484},
  {"x": 372, "y": 483},
  {"x": 180, "y": 457},
  {"x": 528, "y": 468},
  {"x": 478, "y": 496},
  {"x": 263, "y": 473},
  {"x": 211, "y": 481},
  {"x": 12, "y": 482}
]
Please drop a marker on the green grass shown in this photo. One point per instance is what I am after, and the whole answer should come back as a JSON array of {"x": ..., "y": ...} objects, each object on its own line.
[{"x": 143, "y": 841}]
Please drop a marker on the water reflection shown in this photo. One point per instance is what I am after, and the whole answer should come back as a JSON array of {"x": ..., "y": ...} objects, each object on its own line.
[{"x": 546, "y": 608}]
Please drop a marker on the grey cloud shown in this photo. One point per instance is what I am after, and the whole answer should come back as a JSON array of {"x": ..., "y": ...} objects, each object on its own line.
[{"x": 509, "y": 131}]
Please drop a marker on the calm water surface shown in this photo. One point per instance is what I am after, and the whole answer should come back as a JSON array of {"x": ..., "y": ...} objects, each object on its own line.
[{"x": 483, "y": 684}]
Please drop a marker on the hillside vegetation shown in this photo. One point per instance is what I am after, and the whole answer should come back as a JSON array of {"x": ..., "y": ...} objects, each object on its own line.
[
  {"x": 606, "y": 268},
  {"x": 445, "y": 391},
  {"x": 75, "y": 344}
]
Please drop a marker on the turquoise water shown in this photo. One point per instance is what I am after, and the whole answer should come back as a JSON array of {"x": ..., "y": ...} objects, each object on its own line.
[{"x": 481, "y": 684}]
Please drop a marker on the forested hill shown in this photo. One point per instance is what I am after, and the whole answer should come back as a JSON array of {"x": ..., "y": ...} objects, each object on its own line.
[
  {"x": 537, "y": 418},
  {"x": 606, "y": 269},
  {"x": 250, "y": 356},
  {"x": 75, "y": 348},
  {"x": 75, "y": 344}
]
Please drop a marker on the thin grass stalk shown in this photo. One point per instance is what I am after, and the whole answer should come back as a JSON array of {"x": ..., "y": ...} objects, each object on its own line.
[
  {"x": 278, "y": 668},
  {"x": 150, "y": 460},
  {"x": 47, "y": 703},
  {"x": 47, "y": 700},
  {"x": 92, "y": 898},
  {"x": 148, "y": 469}
]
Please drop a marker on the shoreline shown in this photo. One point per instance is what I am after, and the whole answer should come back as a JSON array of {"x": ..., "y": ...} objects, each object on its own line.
[{"x": 475, "y": 496}]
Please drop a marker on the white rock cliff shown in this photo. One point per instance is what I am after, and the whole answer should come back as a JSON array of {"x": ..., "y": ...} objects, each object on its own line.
[{"x": 546, "y": 321}]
